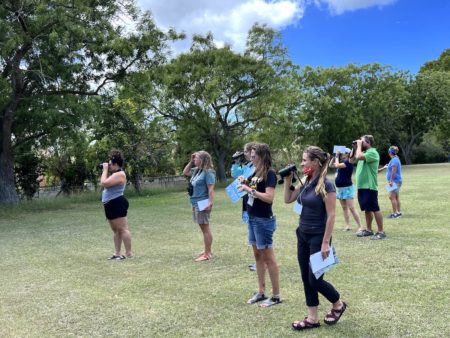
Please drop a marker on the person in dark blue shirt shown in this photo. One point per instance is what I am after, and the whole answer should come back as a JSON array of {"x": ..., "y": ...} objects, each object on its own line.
[
  {"x": 345, "y": 191},
  {"x": 316, "y": 199}
]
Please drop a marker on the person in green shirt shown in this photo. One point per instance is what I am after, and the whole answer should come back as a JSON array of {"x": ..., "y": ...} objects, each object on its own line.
[{"x": 367, "y": 183}]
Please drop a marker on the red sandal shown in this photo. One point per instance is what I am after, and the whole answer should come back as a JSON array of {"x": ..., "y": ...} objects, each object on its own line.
[
  {"x": 335, "y": 315},
  {"x": 304, "y": 325}
]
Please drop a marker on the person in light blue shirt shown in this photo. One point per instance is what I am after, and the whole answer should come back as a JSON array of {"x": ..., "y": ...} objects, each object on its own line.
[
  {"x": 394, "y": 176},
  {"x": 246, "y": 169},
  {"x": 242, "y": 165},
  {"x": 201, "y": 188}
]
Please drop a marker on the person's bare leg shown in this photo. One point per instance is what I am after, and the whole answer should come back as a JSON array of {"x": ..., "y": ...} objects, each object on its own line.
[
  {"x": 207, "y": 239},
  {"x": 351, "y": 207},
  {"x": 379, "y": 220},
  {"x": 116, "y": 237},
  {"x": 272, "y": 267},
  {"x": 369, "y": 219},
  {"x": 393, "y": 202},
  {"x": 260, "y": 269},
  {"x": 345, "y": 212},
  {"x": 123, "y": 234}
]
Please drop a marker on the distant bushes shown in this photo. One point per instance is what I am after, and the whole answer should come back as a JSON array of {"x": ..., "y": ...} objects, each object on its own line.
[{"x": 429, "y": 153}]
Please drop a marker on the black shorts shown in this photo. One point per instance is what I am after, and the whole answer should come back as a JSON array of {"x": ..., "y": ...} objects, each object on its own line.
[
  {"x": 368, "y": 200},
  {"x": 116, "y": 208}
]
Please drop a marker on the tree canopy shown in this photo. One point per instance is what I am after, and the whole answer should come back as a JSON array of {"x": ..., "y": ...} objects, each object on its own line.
[
  {"x": 54, "y": 55},
  {"x": 81, "y": 77}
]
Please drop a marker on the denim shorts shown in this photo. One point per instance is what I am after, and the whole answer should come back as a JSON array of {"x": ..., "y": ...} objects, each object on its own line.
[
  {"x": 345, "y": 193},
  {"x": 260, "y": 231}
]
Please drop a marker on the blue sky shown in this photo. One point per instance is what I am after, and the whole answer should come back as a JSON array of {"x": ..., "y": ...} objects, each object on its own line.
[
  {"x": 404, "y": 35},
  {"x": 401, "y": 33}
]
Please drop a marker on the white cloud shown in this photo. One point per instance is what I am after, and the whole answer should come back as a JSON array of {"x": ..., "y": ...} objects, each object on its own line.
[
  {"x": 228, "y": 20},
  {"x": 340, "y": 6}
]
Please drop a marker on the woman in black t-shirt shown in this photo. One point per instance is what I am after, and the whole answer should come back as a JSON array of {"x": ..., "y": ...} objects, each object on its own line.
[
  {"x": 262, "y": 223},
  {"x": 317, "y": 198}
]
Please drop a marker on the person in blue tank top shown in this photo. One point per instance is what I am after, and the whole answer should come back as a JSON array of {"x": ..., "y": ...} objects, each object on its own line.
[
  {"x": 113, "y": 181},
  {"x": 394, "y": 176}
]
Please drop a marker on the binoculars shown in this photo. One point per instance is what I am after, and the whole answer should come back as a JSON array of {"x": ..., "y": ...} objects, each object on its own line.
[
  {"x": 285, "y": 172},
  {"x": 238, "y": 155}
]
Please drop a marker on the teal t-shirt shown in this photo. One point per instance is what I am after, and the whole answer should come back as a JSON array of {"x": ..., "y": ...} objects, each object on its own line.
[
  {"x": 200, "y": 180},
  {"x": 367, "y": 170}
]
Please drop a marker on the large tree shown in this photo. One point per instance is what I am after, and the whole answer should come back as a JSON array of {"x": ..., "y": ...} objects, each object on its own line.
[
  {"x": 216, "y": 96},
  {"x": 341, "y": 104},
  {"x": 442, "y": 64},
  {"x": 144, "y": 136},
  {"x": 427, "y": 106},
  {"x": 55, "y": 53}
]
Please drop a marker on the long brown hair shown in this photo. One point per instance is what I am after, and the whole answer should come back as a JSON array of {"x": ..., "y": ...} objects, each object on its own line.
[
  {"x": 316, "y": 153},
  {"x": 263, "y": 152}
]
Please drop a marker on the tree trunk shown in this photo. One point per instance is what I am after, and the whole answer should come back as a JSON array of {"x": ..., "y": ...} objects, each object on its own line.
[
  {"x": 136, "y": 180},
  {"x": 407, "y": 147},
  {"x": 220, "y": 172},
  {"x": 8, "y": 193}
]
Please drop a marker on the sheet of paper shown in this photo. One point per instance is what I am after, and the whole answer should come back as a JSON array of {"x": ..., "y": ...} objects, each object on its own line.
[
  {"x": 341, "y": 149},
  {"x": 319, "y": 265},
  {"x": 391, "y": 188},
  {"x": 232, "y": 191},
  {"x": 203, "y": 204}
]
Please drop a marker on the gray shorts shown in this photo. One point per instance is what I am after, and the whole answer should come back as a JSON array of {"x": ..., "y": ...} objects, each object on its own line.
[
  {"x": 200, "y": 217},
  {"x": 396, "y": 191}
]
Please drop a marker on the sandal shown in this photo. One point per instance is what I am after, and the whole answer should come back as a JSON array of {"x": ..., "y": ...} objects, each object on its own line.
[
  {"x": 203, "y": 258},
  {"x": 257, "y": 297},
  {"x": 304, "y": 324},
  {"x": 271, "y": 301},
  {"x": 335, "y": 315},
  {"x": 117, "y": 258}
]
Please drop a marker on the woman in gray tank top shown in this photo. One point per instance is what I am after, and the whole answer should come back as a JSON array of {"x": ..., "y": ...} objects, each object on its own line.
[{"x": 113, "y": 180}]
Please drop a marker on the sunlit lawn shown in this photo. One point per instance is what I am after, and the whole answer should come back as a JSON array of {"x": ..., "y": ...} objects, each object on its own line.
[{"x": 56, "y": 282}]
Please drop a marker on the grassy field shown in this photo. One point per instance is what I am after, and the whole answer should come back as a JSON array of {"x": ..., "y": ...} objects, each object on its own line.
[{"x": 56, "y": 282}]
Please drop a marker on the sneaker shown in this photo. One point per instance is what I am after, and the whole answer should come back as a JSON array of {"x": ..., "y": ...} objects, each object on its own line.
[
  {"x": 378, "y": 235},
  {"x": 252, "y": 267},
  {"x": 392, "y": 215},
  {"x": 364, "y": 233},
  {"x": 398, "y": 215}
]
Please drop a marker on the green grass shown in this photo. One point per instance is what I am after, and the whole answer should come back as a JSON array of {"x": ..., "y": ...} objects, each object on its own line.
[{"x": 56, "y": 282}]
